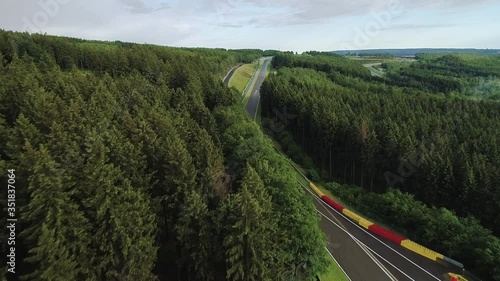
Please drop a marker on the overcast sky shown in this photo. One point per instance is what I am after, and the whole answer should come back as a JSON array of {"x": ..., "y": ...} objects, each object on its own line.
[{"x": 297, "y": 25}]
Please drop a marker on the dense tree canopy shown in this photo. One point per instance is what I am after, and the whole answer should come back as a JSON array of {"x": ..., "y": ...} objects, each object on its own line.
[
  {"x": 363, "y": 131},
  {"x": 131, "y": 165}
]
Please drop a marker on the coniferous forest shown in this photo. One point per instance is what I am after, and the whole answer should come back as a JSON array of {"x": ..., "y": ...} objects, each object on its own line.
[
  {"x": 134, "y": 162},
  {"x": 418, "y": 149}
]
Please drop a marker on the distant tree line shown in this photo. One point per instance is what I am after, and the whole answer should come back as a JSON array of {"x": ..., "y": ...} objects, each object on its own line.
[{"x": 448, "y": 74}]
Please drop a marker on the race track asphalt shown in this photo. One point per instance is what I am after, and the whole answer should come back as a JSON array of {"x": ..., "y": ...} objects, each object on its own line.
[
  {"x": 401, "y": 263},
  {"x": 363, "y": 256},
  {"x": 230, "y": 75},
  {"x": 253, "y": 102}
]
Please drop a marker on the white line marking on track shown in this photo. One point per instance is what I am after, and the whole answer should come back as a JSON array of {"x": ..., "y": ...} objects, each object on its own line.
[
  {"x": 363, "y": 245},
  {"x": 338, "y": 264},
  {"x": 330, "y": 207},
  {"x": 367, "y": 251}
]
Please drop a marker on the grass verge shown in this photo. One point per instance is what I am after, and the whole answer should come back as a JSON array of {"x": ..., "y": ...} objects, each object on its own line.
[
  {"x": 334, "y": 273},
  {"x": 242, "y": 76}
]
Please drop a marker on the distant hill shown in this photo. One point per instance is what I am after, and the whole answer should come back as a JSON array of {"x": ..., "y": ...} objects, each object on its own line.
[{"x": 413, "y": 52}]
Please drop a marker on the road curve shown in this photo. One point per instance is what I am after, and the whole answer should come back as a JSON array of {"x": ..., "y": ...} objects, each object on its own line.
[
  {"x": 253, "y": 102},
  {"x": 230, "y": 74},
  {"x": 361, "y": 254},
  {"x": 401, "y": 263}
]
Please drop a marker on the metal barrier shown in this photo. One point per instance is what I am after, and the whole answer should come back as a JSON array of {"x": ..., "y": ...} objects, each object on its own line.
[{"x": 254, "y": 76}]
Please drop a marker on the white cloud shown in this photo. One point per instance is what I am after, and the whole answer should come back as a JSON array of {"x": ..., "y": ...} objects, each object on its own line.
[
  {"x": 140, "y": 7},
  {"x": 224, "y": 23}
]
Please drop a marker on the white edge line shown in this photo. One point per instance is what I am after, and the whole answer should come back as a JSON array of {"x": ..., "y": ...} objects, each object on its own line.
[
  {"x": 416, "y": 265},
  {"x": 360, "y": 244},
  {"x": 258, "y": 101},
  {"x": 363, "y": 245},
  {"x": 338, "y": 264},
  {"x": 257, "y": 108},
  {"x": 369, "y": 251}
]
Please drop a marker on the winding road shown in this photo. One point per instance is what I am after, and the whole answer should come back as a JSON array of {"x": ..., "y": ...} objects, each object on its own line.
[
  {"x": 362, "y": 255},
  {"x": 373, "y": 70},
  {"x": 230, "y": 74}
]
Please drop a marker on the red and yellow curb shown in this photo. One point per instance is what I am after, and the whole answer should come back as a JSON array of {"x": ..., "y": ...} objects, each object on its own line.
[
  {"x": 385, "y": 233},
  {"x": 421, "y": 250},
  {"x": 456, "y": 277}
]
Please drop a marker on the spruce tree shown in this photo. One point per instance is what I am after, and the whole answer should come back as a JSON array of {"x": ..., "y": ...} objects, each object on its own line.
[
  {"x": 58, "y": 232},
  {"x": 180, "y": 178},
  {"x": 123, "y": 224},
  {"x": 193, "y": 234},
  {"x": 251, "y": 254}
]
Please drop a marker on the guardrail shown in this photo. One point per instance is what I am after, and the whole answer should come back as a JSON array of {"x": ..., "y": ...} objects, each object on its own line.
[{"x": 252, "y": 79}]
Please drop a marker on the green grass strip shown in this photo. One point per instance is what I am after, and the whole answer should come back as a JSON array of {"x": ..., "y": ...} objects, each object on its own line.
[
  {"x": 333, "y": 273},
  {"x": 242, "y": 76}
]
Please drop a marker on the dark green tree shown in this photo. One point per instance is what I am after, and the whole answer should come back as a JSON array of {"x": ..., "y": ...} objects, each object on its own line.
[
  {"x": 58, "y": 232},
  {"x": 122, "y": 220},
  {"x": 250, "y": 250},
  {"x": 194, "y": 233}
]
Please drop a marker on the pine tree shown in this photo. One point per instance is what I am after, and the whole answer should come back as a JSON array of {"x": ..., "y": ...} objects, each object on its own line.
[
  {"x": 207, "y": 159},
  {"x": 180, "y": 175},
  {"x": 24, "y": 131},
  {"x": 193, "y": 233},
  {"x": 369, "y": 153},
  {"x": 58, "y": 232},
  {"x": 123, "y": 223},
  {"x": 249, "y": 243}
]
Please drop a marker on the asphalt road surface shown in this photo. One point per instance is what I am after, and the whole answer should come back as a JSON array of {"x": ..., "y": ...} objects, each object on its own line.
[
  {"x": 230, "y": 75},
  {"x": 382, "y": 260},
  {"x": 373, "y": 70},
  {"x": 253, "y": 101},
  {"x": 362, "y": 255}
]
